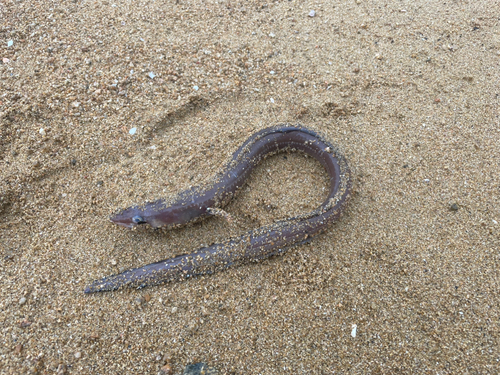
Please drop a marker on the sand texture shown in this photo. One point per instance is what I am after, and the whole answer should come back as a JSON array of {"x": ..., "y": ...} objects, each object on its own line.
[{"x": 106, "y": 104}]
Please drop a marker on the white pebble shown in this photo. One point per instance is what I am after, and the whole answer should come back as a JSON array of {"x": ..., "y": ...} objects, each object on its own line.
[
  {"x": 312, "y": 13},
  {"x": 174, "y": 310},
  {"x": 272, "y": 72},
  {"x": 22, "y": 301},
  {"x": 354, "y": 329},
  {"x": 151, "y": 75},
  {"x": 271, "y": 100},
  {"x": 42, "y": 132},
  {"x": 10, "y": 43},
  {"x": 132, "y": 131},
  {"x": 272, "y": 35},
  {"x": 78, "y": 355},
  {"x": 196, "y": 88}
]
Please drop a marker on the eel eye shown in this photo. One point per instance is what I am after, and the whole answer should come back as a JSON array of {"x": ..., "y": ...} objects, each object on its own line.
[{"x": 138, "y": 220}]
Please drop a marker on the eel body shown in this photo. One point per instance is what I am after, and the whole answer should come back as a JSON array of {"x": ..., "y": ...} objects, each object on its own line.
[{"x": 197, "y": 203}]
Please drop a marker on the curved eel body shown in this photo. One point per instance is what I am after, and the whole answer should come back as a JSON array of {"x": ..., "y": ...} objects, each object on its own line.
[{"x": 195, "y": 204}]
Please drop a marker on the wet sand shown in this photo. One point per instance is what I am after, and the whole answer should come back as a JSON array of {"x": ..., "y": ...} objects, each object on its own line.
[{"x": 406, "y": 282}]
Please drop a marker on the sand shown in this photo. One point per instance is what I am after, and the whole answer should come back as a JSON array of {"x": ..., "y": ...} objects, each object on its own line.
[{"x": 406, "y": 282}]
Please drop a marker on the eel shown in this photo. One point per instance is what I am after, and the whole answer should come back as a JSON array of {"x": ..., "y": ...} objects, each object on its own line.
[{"x": 200, "y": 202}]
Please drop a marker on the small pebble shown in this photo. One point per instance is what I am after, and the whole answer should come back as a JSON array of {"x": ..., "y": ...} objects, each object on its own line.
[
  {"x": 354, "y": 329},
  {"x": 132, "y": 131},
  {"x": 151, "y": 75},
  {"x": 113, "y": 262},
  {"x": 5, "y": 60},
  {"x": 196, "y": 88},
  {"x": 147, "y": 297},
  {"x": 174, "y": 310},
  {"x": 272, "y": 35},
  {"x": 166, "y": 370},
  {"x": 42, "y": 132},
  {"x": 78, "y": 355},
  {"x": 10, "y": 43},
  {"x": 454, "y": 207},
  {"x": 22, "y": 301},
  {"x": 271, "y": 100},
  {"x": 312, "y": 13},
  {"x": 18, "y": 349}
]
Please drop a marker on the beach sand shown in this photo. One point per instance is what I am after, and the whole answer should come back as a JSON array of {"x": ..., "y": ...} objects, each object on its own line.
[{"x": 407, "y": 281}]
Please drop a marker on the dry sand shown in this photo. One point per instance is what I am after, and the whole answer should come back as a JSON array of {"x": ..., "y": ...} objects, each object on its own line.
[{"x": 408, "y": 90}]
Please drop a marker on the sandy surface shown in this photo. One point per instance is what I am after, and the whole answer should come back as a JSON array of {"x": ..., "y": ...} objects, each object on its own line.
[{"x": 408, "y": 91}]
